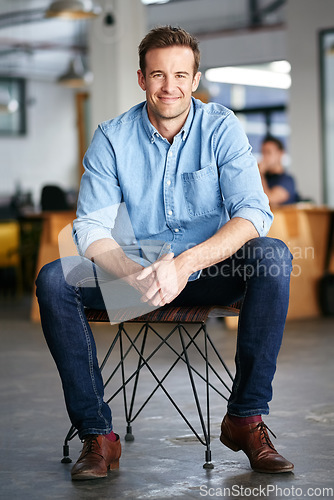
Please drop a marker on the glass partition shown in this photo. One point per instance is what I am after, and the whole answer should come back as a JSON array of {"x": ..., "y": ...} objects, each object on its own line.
[{"x": 327, "y": 109}]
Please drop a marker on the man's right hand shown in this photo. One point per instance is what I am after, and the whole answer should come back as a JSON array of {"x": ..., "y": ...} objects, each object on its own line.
[{"x": 143, "y": 285}]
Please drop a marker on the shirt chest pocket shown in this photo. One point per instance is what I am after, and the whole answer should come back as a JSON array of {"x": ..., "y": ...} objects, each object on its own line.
[{"x": 202, "y": 191}]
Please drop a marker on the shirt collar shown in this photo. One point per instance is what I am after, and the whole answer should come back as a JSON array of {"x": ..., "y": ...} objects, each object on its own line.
[{"x": 152, "y": 131}]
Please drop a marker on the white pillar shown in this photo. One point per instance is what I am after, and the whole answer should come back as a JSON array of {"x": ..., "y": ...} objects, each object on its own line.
[{"x": 113, "y": 59}]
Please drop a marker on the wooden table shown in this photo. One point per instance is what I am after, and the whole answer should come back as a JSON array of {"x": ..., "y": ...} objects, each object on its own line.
[
  {"x": 55, "y": 225},
  {"x": 305, "y": 230}
]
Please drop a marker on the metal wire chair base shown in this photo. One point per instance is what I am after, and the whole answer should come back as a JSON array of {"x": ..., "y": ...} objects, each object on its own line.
[{"x": 197, "y": 341}]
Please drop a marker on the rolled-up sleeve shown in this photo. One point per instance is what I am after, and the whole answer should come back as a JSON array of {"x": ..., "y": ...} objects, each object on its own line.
[
  {"x": 99, "y": 196},
  {"x": 239, "y": 176}
]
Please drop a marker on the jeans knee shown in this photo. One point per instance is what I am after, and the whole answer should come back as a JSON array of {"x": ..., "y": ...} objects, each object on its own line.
[
  {"x": 49, "y": 280},
  {"x": 272, "y": 256},
  {"x": 278, "y": 252},
  {"x": 63, "y": 276}
]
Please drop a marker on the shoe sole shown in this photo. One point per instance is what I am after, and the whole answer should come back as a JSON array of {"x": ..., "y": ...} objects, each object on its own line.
[
  {"x": 85, "y": 476},
  {"x": 282, "y": 471}
]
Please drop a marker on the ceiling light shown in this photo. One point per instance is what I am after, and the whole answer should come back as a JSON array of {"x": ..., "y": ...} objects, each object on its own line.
[
  {"x": 8, "y": 104},
  {"x": 13, "y": 106},
  {"x": 280, "y": 66},
  {"x": 76, "y": 76},
  {"x": 149, "y": 2},
  {"x": 248, "y": 76},
  {"x": 10, "y": 107},
  {"x": 73, "y": 9}
]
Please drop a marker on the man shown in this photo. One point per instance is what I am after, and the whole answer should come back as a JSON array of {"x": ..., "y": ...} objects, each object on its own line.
[
  {"x": 277, "y": 184},
  {"x": 192, "y": 233}
]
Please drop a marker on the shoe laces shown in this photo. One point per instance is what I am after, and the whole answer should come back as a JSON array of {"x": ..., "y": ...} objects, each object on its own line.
[
  {"x": 263, "y": 428},
  {"x": 91, "y": 445}
]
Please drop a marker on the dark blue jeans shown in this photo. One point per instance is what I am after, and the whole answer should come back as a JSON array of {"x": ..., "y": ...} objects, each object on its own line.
[{"x": 259, "y": 273}]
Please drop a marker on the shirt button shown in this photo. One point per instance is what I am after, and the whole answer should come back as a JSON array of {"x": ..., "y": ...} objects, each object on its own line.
[
  {"x": 171, "y": 153},
  {"x": 170, "y": 212},
  {"x": 168, "y": 182},
  {"x": 176, "y": 230}
]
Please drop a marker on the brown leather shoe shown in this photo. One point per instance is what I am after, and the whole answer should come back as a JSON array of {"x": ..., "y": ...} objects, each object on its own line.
[
  {"x": 98, "y": 455},
  {"x": 254, "y": 440}
]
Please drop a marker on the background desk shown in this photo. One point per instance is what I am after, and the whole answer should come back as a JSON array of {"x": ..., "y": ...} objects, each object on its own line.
[
  {"x": 305, "y": 230},
  {"x": 53, "y": 223}
]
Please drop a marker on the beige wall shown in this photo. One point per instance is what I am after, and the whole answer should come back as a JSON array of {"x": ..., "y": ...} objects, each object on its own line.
[{"x": 47, "y": 154}]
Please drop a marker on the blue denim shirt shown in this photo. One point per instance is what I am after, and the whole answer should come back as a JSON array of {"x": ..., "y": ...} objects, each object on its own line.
[{"x": 153, "y": 197}]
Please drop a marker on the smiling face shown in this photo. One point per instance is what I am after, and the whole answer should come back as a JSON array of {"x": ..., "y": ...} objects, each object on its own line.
[{"x": 169, "y": 81}]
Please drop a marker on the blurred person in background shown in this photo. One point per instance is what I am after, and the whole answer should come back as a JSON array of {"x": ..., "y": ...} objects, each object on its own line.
[{"x": 279, "y": 186}]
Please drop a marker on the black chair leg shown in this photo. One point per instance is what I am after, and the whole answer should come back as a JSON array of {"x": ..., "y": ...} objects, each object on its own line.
[
  {"x": 128, "y": 413},
  {"x": 208, "y": 464},
  {"x": 205, "y": 427},
  {"x": 129, "y": 436},
  {"x": 66, "y": 448}
]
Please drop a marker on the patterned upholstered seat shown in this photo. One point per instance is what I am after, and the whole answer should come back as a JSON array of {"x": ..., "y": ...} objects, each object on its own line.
[{"x": 172, "y": 314}]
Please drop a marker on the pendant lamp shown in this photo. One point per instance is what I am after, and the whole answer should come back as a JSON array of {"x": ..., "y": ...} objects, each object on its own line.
[
  {"x": 73, "y": 9},
  {"x": 76, "y": 76}
]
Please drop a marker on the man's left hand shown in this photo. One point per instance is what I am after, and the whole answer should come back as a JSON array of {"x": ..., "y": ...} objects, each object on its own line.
[{"x": 169, "y": 280}]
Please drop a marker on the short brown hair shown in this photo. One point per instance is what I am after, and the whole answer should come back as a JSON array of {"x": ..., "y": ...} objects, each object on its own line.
[
  {"x": 167, "y": 36},
  {"x": 275, "y": 140}
]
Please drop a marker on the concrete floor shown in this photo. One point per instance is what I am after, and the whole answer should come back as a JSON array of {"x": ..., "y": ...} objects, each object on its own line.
[{"x": 165, "y": 460}]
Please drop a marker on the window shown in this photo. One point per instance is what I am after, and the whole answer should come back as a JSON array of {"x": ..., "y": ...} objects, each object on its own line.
[
  {"x": 327, "y": 110},
  {"x": 259, "y": 96},
  {"x": 12, "y": 106}
]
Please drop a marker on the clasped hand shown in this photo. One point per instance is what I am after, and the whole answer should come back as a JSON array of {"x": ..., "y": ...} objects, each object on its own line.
[{"x": 162, "y": 281}]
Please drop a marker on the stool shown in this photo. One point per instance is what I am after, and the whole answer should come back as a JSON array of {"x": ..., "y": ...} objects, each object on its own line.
[{"x": 181, "y": 318}]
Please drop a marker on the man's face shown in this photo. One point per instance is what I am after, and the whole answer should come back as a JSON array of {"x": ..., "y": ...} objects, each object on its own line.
[
  {"x": 271, "y": 155},
  {"x": 169, "y": 81}
]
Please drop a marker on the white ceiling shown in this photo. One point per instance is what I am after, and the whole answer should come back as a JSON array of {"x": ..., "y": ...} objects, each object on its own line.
[{"x": 42, "y": 49}]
